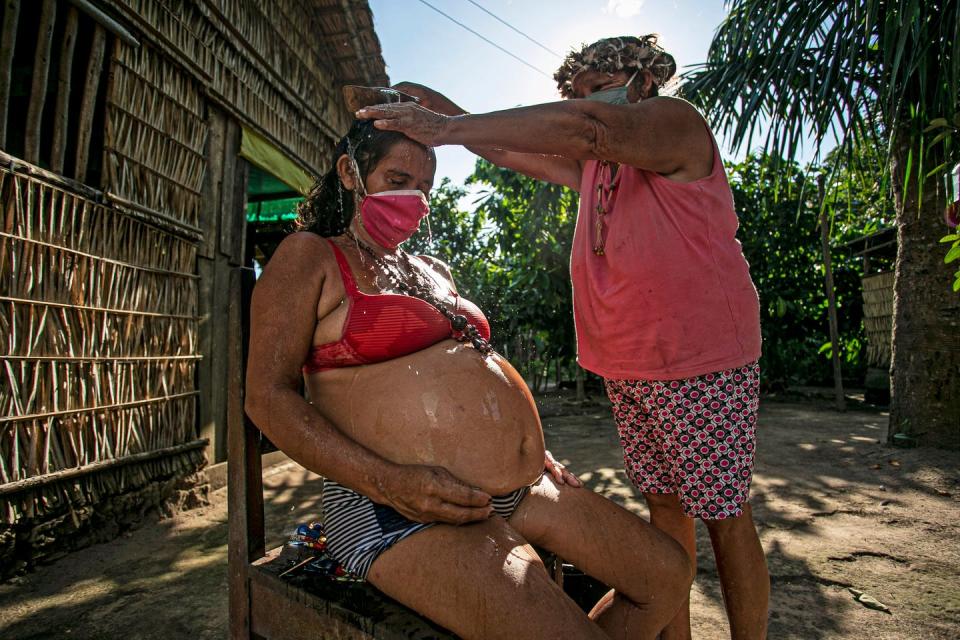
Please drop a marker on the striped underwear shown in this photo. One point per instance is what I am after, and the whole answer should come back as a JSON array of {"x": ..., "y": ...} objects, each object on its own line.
[{"x": 358, "y": 530}]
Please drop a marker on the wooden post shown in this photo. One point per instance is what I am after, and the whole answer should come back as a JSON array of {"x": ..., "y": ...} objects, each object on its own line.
[
  {"x": 38, "y": 90},
  {"x": 213, "y": 307},
  {"x": 233, "y": 210},
  {"x": 831, "y": 300},
  {"x": 213, "y": 181},
  {"x": 244, "y": 473},
  {"x": 244, "y": 467},
  {"x": 60, "y": 122},
  {"x": 91, "y": 86},
  {"x": 8, "y": 42}
]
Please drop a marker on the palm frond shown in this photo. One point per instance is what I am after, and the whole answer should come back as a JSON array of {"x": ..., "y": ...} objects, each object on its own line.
[{"x": 856, "y": 70}]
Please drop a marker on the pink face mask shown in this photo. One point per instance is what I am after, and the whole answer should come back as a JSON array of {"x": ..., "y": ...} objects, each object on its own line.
[{"x": 391, "y": 217}]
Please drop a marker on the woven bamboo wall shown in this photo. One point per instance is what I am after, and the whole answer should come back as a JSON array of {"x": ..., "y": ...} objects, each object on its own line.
[
  {"x": 349, "y": 38},
  {"x": 285, "y": 36},
  {"x": 878, "y": 317},
  {"x": 99, "y": 292},
  {"x": 155, "y": 135},
  {"x": 276, "y": 65},
  {"x": 182, "y": 24},
  {"x": 98, "y": 318}
]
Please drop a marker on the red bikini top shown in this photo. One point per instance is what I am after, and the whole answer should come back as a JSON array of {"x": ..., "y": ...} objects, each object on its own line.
[{"x": 385, "y": 326}]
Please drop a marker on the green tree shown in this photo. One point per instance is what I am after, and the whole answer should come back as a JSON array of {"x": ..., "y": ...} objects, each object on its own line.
[
  {"x": 511, "y": 256},
  {"x": 459, "y": 238},
  {"x": 533, "y": 223},
  {"x": 852, "y": 68},
  {"x": 781, "y": 241}
]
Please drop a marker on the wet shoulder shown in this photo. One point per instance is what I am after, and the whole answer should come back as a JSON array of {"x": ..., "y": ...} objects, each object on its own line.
[{"x": 300, "y": 263}]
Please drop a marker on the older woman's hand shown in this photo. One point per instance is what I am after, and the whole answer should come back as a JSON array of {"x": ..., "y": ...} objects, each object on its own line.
[
  {"x": 559, "y": 472},
  {"x": 432, "y": 494},
  {"x": 411, "y": 119}
]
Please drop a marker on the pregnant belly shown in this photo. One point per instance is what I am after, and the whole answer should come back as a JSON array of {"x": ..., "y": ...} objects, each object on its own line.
[{"x": 445, "y": 405}]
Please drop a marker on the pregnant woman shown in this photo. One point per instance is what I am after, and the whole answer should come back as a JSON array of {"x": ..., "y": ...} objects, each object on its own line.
[{"x": 428, "y": 440}]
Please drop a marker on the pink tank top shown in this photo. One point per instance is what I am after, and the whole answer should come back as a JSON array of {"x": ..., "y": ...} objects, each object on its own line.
[{"x": 672, "y": 296}]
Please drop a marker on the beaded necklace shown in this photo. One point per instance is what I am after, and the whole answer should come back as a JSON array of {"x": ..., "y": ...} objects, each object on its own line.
[{"x": 421, "y": 289}]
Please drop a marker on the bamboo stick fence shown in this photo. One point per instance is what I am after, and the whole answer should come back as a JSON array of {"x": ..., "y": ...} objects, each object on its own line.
[
  {"x": 878, "y": 317},
  {"x": 98, "y": 318},
  {"x": 99, "y": 292}
]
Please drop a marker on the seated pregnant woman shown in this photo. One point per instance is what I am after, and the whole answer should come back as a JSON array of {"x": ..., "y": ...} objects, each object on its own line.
[{"x": 428, "y": 440}]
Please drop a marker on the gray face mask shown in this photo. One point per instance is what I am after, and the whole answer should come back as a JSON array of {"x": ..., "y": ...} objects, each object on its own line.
[{"x": 614, "y": 95}]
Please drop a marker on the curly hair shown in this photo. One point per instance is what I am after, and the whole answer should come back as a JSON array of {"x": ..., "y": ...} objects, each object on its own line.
[
  {"x": 329, "y": 207},
  {"x": 610, "y": 55}
]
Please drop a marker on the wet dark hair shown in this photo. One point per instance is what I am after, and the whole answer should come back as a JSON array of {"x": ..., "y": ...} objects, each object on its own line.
[{"x": 328, "y": 208}]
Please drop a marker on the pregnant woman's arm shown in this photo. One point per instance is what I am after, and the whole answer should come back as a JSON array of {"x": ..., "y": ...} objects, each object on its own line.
[{"x": 283, "y": 317}]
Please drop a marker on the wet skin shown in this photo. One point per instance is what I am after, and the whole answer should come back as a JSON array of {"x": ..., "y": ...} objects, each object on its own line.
[
  {"x": 550, "y": 142},
  {"x": 408, "y": 432},
  {"x": 445, "y": 405}
]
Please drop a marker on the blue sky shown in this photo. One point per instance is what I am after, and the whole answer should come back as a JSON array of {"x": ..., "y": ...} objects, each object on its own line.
[{"x": 422, "y": 46}]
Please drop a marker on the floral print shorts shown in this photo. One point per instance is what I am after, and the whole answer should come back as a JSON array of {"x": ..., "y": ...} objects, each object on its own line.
[{"x": 693, "y": 437}]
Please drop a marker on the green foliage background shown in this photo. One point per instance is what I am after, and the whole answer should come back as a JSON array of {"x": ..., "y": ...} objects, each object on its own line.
[
  {"x": 511, "y": 256},
  {"x": 778, "y": 205}
]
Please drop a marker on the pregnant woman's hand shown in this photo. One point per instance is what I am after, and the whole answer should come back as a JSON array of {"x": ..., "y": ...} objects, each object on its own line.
[
  {"x": 559, "y": 472},
  {"x": 432, "y": 494}
]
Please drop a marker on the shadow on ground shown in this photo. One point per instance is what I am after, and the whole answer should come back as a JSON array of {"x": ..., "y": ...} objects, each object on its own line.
[
  {"x": 835, "y": 507},
  {"x": 165, "y": 580}
]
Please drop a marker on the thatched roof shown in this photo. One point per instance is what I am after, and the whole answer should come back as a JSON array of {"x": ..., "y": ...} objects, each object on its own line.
[{"x": 349, "y": 34}]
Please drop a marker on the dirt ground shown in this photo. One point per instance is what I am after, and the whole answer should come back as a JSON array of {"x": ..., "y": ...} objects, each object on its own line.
[{"x": 835, "y": 507}]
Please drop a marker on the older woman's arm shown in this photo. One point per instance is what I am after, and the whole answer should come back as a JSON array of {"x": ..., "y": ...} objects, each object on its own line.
[
  {"x": 550, "y": 168},
  {"x": 283, "y": 317},
  {"x": 666, "y": 135}
]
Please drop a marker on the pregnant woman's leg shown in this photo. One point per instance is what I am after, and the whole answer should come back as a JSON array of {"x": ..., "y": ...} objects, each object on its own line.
[
  {"x": 480, "y": 581},
  {"x": 649, "y": 572}
]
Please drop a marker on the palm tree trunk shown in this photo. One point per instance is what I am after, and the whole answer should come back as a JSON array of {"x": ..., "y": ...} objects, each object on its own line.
[{"x": 925, "y": 361}]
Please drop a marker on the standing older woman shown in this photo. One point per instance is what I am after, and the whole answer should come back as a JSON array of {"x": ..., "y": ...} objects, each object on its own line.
[
  {"x": 664, "y": 305},
  {"x": 428, "y": 440}
]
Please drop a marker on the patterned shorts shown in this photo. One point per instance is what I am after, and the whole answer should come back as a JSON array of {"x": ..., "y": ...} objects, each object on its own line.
[{"x": 693, "y": 437}]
